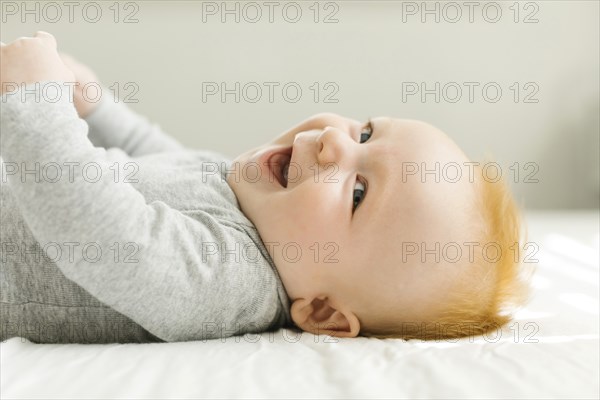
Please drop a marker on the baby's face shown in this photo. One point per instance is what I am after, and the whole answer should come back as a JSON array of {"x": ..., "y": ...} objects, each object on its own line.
[{"x": 338, "y": 228}]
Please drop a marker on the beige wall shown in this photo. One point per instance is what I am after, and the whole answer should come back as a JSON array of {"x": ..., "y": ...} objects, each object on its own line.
[{"x": 373, "y": 52}]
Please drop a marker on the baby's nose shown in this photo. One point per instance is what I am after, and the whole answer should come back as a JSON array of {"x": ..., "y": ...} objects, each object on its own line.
[{"x": 332, "y": 146}]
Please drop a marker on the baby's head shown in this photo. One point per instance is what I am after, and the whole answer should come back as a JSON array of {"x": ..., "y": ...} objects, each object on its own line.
[{"x": 383, "y": 229}]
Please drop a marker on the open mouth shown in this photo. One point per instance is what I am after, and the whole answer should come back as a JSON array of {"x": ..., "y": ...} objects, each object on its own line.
[{"x": 279, "y": 165}]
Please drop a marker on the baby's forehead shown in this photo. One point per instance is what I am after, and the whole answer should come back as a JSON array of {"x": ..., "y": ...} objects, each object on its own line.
[{"x": 416, "y": 131}]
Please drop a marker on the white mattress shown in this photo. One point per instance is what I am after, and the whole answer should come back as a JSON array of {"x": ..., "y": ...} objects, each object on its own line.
[{"x": 564, "y": 362}]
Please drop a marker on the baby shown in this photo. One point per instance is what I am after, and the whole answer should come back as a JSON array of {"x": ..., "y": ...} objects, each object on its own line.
[{"x": 336, "y": 227}]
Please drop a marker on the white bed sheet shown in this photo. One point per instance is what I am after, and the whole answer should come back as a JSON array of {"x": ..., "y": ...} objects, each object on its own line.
[{"x": 563, "y": 363}]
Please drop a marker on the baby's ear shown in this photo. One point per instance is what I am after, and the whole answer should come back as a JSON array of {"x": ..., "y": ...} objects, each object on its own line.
[{"x": 319, "y": 317}]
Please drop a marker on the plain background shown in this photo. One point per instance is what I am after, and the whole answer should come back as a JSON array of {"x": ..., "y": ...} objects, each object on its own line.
[{"x": 363, "y": 57}]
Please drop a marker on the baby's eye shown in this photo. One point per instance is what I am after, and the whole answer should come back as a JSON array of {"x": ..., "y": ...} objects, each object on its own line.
[
  {"x": 366, "y": 132},
  {"x": 358, "y": 194}
]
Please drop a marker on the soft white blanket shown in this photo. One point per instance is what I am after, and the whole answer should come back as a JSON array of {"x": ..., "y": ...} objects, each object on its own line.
[{"x": 551, "y": 350}]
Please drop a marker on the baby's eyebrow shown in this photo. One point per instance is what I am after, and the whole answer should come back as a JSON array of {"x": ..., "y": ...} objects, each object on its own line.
[
  {"x": 379, "y": 122},
  {"x": 373, "y": 125}
]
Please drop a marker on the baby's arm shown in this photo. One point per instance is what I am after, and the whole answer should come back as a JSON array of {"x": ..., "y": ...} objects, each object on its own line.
[
  {"x": 143, "y": 260},
  {"x": 112, "y": 123}
]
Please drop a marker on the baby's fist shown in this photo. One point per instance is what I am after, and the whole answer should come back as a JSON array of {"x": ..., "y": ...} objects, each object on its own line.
[
  {"x": 83, "y": 76},
  {"x": 30, "y": 60}
]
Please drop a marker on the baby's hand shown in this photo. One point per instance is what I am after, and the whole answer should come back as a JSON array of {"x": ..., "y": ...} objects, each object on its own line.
[
  {"x": 30, "y": 60},
  {"x": 83, "y": 75}
]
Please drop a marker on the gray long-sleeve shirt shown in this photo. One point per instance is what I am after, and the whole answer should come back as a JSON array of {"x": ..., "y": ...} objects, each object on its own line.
[{"x": 143, "y": 225}]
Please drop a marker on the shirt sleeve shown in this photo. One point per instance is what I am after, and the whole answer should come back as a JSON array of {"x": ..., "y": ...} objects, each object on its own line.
[
  {"x": 113, "y": 124},
  {"x": 143, "y": 260}
]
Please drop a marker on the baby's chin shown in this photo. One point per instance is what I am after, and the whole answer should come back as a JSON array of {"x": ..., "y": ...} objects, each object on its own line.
[{"x": 245, "y": 156}]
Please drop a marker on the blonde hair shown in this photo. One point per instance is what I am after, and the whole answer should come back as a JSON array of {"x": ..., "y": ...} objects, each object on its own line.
[{"x": 479, "y": 310}]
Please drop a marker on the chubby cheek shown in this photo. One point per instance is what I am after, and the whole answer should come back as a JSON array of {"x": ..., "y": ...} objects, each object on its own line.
[{"x": 311, "y": 213}]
